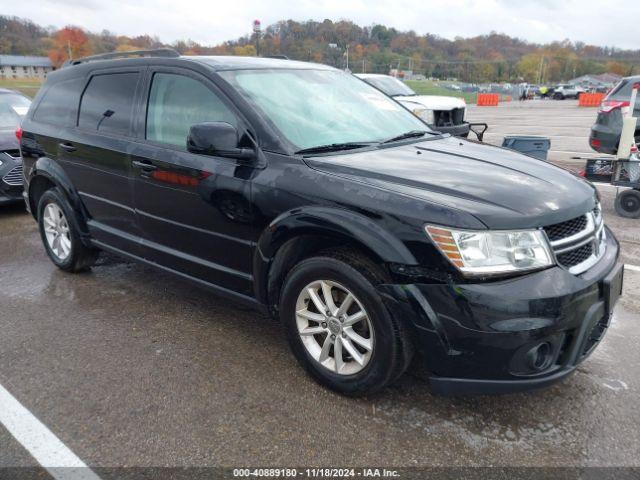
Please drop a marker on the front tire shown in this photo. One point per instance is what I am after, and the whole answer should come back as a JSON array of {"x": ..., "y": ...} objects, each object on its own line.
[
  {"x": 338, "y": 328},
  {"x": 60, "y": 234}
]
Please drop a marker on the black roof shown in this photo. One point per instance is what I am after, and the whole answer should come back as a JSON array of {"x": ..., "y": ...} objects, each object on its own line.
[
  {"x": 245, "y": 63},
  {"x": 215, "y": 63}
]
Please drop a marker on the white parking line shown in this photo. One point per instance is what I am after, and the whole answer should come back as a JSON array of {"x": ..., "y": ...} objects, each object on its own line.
[
  {"x": 633, "y": 268},
  {"x": 40, "y": 442}
]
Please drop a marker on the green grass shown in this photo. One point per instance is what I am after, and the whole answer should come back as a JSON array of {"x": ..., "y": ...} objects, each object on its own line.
[
  {"x": 426, "y": 87},
  {"x": 28, "y": 86}
]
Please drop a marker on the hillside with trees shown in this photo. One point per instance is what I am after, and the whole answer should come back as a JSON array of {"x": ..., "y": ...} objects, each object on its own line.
[{"x": 488, "y": 58}]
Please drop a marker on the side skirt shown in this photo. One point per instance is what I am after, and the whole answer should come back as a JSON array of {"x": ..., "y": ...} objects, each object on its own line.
[{"x": 218, "y": 290}]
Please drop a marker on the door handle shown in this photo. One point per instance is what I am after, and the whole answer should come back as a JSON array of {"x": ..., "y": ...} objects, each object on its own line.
[
  {"x": 67, "y": 147},
  {"x": 145, "y": 165}
]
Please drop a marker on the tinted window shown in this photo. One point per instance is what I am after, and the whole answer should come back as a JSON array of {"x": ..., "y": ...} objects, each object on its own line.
[
  {"x": 59, "y": 105},
  {"x": 176, "y": 102},
  {"x": 107, "y": 103}
]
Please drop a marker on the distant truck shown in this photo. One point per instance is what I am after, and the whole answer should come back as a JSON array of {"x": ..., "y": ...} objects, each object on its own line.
[
  {"x": 441, "y": 113},
  {"x": 567, "y": 91}
]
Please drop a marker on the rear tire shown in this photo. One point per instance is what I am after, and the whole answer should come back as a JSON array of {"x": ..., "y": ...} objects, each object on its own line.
[
  {"x": 627, "y": 204},
  {"x": 381, "y": 343},
  {"x": 60, "y": 235}
]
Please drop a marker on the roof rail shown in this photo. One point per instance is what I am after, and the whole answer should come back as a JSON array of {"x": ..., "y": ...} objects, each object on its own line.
[{"x": 158, "y": 52}]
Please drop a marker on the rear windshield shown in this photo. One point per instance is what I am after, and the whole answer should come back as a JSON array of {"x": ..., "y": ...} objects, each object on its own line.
[
  {"x": 622, "y": 91},
  {"x": 13, "y": 108}
]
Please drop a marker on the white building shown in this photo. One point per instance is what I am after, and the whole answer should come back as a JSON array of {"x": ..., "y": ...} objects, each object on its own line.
[{"x": 18, "y": 66}]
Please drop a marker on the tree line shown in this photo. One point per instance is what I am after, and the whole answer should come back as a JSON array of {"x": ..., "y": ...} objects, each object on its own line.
[{"x": 494, "y": 57}]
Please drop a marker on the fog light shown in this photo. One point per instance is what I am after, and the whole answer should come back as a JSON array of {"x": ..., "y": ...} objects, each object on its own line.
[{"x": 540, "y": 356}]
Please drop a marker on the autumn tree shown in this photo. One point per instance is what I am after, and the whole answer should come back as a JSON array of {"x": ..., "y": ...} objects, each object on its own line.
[{"x": 69, "y": 43}]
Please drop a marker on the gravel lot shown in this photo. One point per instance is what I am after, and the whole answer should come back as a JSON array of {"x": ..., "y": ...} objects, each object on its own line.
[{"x": 128, "y": 366}]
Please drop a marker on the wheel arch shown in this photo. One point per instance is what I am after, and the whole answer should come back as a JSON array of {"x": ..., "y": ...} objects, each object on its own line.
[
  {"x": 47, "y": 174},
  {"x": 300, "y": 233}
]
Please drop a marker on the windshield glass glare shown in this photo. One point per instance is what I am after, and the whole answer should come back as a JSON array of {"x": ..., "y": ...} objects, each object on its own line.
[
  {"x": 389, "y": 85},
  {"x": 321, "y": 107},
  {"x": 12, "y": 109}
]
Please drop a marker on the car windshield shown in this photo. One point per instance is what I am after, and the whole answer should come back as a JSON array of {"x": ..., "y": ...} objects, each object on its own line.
[
  {"x": 13, "y": 107},
  {"x": 389, "y": 85},
  {"x": 322, "y": 107}
]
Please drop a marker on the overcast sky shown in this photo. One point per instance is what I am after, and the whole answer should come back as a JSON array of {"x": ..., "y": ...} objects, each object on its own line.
[{"x": 213, "y": 21}]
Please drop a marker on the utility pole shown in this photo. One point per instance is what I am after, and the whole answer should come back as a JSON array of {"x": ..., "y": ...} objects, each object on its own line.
[
  {"x": 540, "y": 69},
  {"x": 256, "y": 30},
  {"x": 347, "y": 56},
  {"x": 364, "y": 67},
  {"x": 69, "y": 49}
]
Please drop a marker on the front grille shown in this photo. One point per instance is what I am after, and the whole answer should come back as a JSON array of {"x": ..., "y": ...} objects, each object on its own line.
[
  {"x": 575, "y": 257},
  {"x": 566, "y": 229},
  {"x": 14, "y": 177},
  {"x": 449, "y": 118},
  {"x": 578, "y": 243}
]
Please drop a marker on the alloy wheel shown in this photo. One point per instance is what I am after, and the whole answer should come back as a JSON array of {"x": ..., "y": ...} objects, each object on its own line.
[
  {"x": 334, "y": 327},
  {"x": 56, "y": 231}
]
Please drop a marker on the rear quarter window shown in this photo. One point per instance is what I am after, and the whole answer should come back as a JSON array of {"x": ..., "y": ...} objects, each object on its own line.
[
  {"x": 107, "y": 103},
  {"x": 59, "y": 105}
]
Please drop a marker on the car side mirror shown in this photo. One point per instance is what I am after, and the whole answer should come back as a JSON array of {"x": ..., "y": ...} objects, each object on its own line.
[{"x": 217, "y": 139}]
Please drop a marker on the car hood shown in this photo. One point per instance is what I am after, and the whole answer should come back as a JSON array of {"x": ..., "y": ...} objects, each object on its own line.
[
  {"x": 501, "y": 188},
  {"x": 8, "y": 140},
  {"x": 432, "y": 102}
]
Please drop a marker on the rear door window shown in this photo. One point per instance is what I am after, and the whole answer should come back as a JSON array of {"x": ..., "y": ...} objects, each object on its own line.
[
  {"x": 107, "y": 103},
  {"x": 176, "y": 102},
  {"x": 59, "y": 106}
]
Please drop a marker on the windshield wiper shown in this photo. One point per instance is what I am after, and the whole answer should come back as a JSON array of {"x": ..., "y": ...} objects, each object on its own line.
[
  {"x": 335, "y": 147},
  {"x": 409, "y": 134}
]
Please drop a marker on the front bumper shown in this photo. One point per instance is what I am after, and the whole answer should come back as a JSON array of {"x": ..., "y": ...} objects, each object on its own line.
[
  {"x": 461, "y": 130},
  {"x": 479, "y": 338},
  {"x": 9, "y": 192}
]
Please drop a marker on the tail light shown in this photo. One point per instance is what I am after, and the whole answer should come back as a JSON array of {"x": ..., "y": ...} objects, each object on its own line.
[
  {"x": 19, "y": 133},
  {"x": 609, "y": 105},
  {"x": 595, "y": 143}
]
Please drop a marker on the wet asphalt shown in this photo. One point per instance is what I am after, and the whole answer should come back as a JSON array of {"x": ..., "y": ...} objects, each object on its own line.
[{"x": 131, "y": 367}]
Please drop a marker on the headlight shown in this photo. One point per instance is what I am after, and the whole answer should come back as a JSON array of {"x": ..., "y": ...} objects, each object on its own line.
[
  {"x": 492, "y": 252},
  {"x": 425, "y": 115}
]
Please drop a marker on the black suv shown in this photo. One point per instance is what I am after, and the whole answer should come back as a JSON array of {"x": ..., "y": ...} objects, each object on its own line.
[
  {"x": 605, "y": 133},
  {"x": 305, "y": 192}
]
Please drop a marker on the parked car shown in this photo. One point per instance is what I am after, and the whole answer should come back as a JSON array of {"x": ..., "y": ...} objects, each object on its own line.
[
  {"x": 605, "y": 133},
  {"x": 564, "y": 91},
  {"x": 443, "y": 114},
  {"x": 13, "y": 107},
  {"x": 308, "y": 194}
]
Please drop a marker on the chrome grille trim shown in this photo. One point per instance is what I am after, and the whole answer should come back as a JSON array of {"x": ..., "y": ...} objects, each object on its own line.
[
  {"x": 588, "y": 231},
  {"x": 12, "y": 154},
  {"x": 14, "y": 177},
  {"x": 593, "y": 233}
]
